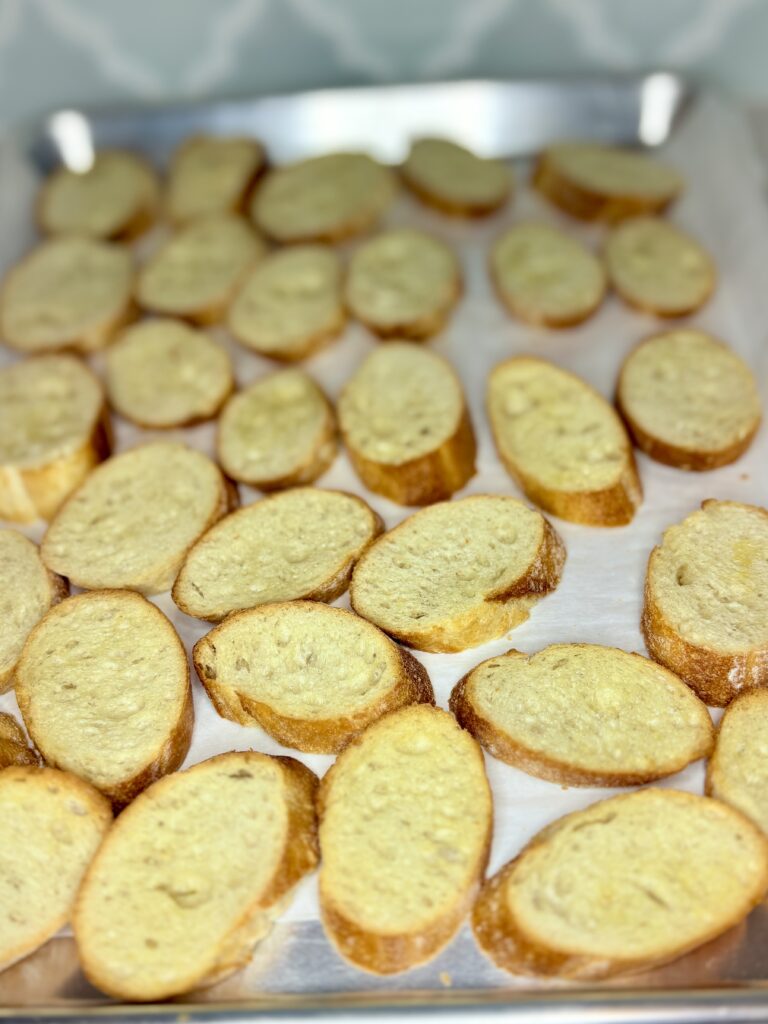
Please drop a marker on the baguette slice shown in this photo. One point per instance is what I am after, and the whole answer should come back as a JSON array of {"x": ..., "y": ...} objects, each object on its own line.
[
  {"x": 290, "y": 305},
  {"x": 298, "y": 545},
  {"x": 406, "y": 426},
  {"x": 210, "y": 175},
  {"x": 625, "y": 885},
  {"x": 403, "y": 284},
  {"x": 688, "y": 400},
  {"x": 459, "y": 573},
  {"x": 599, "y": 182},
  {"x": 455, "y": 180},
  {"x": 54, "y": 428},
  {"x": 193, "y": 874},
  {"x": 705, "y": 615},
  {"x": 68, "y": 293},
  {"x": 658, "y": 269},
  {"x": 14, "y": 746},
  {"x": 279, "y": 432},
  {"x": 405, "y": 828},
  {"x": 630, "y": 721},
  {"x": 545, "y": 277},
  {"x": 311, "y": 676},
  {"x": 134, "y": 519},
  {"x": 103, "y": 687},
  {"x": 53, "y": 824},
  {"x": 562, "y": 442},
  {"x": 737, "y": 772}
]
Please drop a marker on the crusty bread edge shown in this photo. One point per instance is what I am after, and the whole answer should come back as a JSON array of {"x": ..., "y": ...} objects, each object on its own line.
[
  {"x": 453, "y": 207},
  {"x": 422, "y": 327},
  {"x": 241, "y": 206},
  {"x": 15, "y": 749}
]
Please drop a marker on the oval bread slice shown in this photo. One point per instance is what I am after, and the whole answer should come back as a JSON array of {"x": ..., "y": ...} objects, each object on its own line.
[
  {"x": 403, "y": 284},
  {"x": 455, "y": 180},
  {"x": 405, "y": 828},
  {"x": 290, "y": 305},
  {"x": 210, "y": 175},
  {"x": 193, "y": 874},
  {"x": 14, "y": 746},
  {"x": 311, "y": 676},
  {"x": 163, "y": 373},
  {"x": 70, "y": 292},
  {"x": 300, "y": 544},
  {"x": 53, "y": 824},
  {"x": 737, "y": 772},
  {"x": 279, "y": 432},
  {"x": 134, "y": 519},
  {"x": 706, "y": 600},
  {"x": 459, "y": 573},
  {"x": 630, "y": 721},
  {"x": 103, "y": 687},
  {"x": 406, "y": 426},
  {"x": 54, "y": 429},
  {"x": 562, "y": 442},
  {"x": 627, "y": 884},
  {"x": 546, "y": 277},
  {"x": 323, "y": 199},
  {"x": 688, "y": 400}
]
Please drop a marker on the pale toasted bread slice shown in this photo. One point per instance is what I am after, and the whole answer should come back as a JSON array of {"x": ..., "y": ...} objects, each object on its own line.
[
  {"x": 737, "y": 772},
  {"x": 53, "y": 824},
  {"x": 210, "y": 175},
  {"x": 594, "y": 181},
  {"x": 403, "y": 284},
  {"x": 630, "y": 721},
  {"x": 454, "y": 179},
  {"x": 562, "y": 442},
  {"x": 688, "y": 400},
  {"x": 311, "y": 676},
  {"x": 459, "y": 573},
  {"x": 14, "y": 746},
  {"x": 546, "y": 277},
  {"x": 404, "y": 420},
  {"x": 193, "y": 874},
  {"x": 279, "y": 432},
  {"x": 136, "y": 516},
  {"x": 54, "y": 429},
  {"x": 103, "y": 687},
  {"x": 300, "y": 544},
  {"x": 323, "y": 199},
  {"x": 162, "y": 373},
  {"x": 68, "y": 293},
  {"x": 290, "y": 305},
  {"x": 197, "y": 272},
  {"x": 405, "y": 828},
  {"x": 706, "y": 600},
  {"x": 116, "y": 198},
  {"x": 627, "y": 884}
]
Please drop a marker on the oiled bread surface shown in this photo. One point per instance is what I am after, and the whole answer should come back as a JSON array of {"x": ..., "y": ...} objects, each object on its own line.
[
  {"x": 211, "y": 175},
  {"x": 737, "y": 772},
  {"x": 454, "y": 179}
]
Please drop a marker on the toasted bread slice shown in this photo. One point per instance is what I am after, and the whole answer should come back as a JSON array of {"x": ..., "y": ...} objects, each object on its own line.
[
  {"x": 162, "y": 373},
  {"x": 459, "y": 573},
  {"x": 598, "y": 182},
  {"x": 405, "y": 828},
  {"x": 193, "y": 873},
  {"x": 688, "y": 400},
  {"x": 311, "y": 676},
  {"x": 706, "y": 600},
  {"x": 134, "y": 519},
  {"x": 455, "y": 180},
  {"x": 210, "y": 175},
  {"x": 69, "y": 293},
  {"x": 14, "y": 746},
  {"x": 546, "y": 277},
  {"x": 323, "y": 199},
  {"x": 196, "y": 273},
  {"x": 300, "y": 544},
  {"x": 737, "y": 772},
  {"x": 279, "y": 432},
  {"x": 403, "y": 284},
  {"x": 54, "y": 429},
  {"x": 53, "y": 824},
  {"x": 116, "y": 198},
  {"x": 103, "y": 687},
  {"x": 406, "y": 426},
  {"x": 627, "y": 884},
  {"x": 290, "y": 305},
  {"x": 630, "y": 721},
  {"x": 562, "y": 442}
]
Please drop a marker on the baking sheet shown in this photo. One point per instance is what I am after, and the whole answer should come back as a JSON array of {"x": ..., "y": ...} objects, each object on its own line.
[{"x": 598, "y": 600}]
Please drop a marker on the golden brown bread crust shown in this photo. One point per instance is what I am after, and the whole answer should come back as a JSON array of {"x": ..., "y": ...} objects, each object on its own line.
[
  {"x": 14, "y": 746},
  {"x": 453, "y": 207}
]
